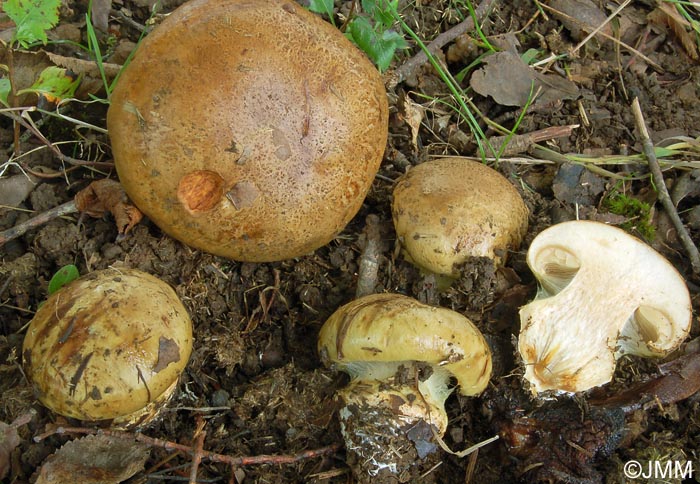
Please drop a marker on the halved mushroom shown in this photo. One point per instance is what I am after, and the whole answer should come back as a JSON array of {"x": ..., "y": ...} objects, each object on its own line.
[
  {"x": 449, "y": 210},
  {"x": 109, "y": 346},
  {"x": 249, "y": 129},
  {"x": 400, "y": 355},
  {"x": 603, "y": 293}
]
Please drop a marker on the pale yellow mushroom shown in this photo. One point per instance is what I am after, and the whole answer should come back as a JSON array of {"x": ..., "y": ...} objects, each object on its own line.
[
  {"x": 603, "y": 293},
  {"x": 109, "y": 346},
  {"x": 449, "y": 210},
  {"x": 401, "y": 355}
]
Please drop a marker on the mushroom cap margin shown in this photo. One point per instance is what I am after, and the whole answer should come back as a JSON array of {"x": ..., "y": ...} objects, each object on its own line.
[{"x": 392, "y": 327}]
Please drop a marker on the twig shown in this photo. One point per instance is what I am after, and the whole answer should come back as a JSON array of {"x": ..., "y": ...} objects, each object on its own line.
[
  {"x": 414, "y": 63},
  {"x": 211, "y": 456},
  {"x": 520, "y": 143},
  {"x": 38, "y": 221},
  {"x": 199, "y": 436},
  {"x": 369, "y": 259},
  {"x": 664, "y": 197}
]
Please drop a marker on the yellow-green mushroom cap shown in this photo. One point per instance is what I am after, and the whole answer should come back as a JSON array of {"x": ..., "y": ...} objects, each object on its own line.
[{"x": 110, "y": 345}]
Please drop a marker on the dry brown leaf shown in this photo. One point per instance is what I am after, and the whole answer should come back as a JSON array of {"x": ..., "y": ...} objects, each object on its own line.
[
  {"x": 94, "y": 459},
  {"x": 100, "y": 14},
  {"x": 108, "y": 196},
  {"x": 511, "y": 82},
  {"x": 413, "y": 115},
  {"x": 665, "y": 14},
  {"x": 9, "y": 440},
  {"x": 580, "y": 17},
  {"x": 15, "y": 189}
]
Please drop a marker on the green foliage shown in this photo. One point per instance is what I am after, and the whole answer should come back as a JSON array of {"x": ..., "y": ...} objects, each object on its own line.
[
  {"x": 62, "y": 277},
  {"x": 322, "y": 6},
  {"x": 32, "y": 19},
  {"x": 54, "y": 83},
  {"x": 637, "y": 213},
  {"x": 4, "y": 90},
  {"x": 372, "y": 32}
]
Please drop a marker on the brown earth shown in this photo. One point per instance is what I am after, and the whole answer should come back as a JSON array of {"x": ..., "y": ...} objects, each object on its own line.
[{"x": 255, "y": 376}]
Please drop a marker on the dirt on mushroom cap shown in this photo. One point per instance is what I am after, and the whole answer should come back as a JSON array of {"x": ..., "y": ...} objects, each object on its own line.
[{"x": 286, "y": 112}]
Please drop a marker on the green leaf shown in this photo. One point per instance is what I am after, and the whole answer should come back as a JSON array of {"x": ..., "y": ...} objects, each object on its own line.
[
  {"x": 62, "y": 277},
  {"x": 54, "y": 84},
  {"x": 321, "y": 6},
  {"x": 4, "y": 90},
  {"x": 381, "y": 11},
  {"x": 380, "y": 47},
  {"x": 32, "y": 18}
]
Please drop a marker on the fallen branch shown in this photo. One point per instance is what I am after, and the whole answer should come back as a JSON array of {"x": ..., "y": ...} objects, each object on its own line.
[
  {"x": 97, "y": 198},
  {"x": 205, "y": 454},
  {"x": 521, "y": 143},
  {"x": 199, "y": 436},
  {"x": 664, "y": 197},
  {"x": 408, "y": 68},
  {"x": 36, "y": 222}
]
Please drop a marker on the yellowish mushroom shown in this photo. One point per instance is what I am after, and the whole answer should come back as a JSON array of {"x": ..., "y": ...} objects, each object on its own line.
[
  {"x": 109, "y": 346},
  {"x": 449, "y": 210},
  {"x": 400, "y": 355}
]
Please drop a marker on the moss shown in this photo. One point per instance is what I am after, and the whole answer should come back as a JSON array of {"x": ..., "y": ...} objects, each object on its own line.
[{"x": 637, "y": 213}]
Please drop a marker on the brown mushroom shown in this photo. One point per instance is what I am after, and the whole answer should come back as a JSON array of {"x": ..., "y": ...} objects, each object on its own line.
[
  {"x": 109, "y": 346},
  {"x": 451, "y": 209},
  {"x": 248, "y": 129}
]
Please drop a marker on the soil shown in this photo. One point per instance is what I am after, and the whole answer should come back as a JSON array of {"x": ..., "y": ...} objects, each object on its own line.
[{"x": 255, "y": 377}]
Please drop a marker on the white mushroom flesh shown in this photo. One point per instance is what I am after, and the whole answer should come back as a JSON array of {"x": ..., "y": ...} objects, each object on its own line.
[{"x": 603, "y": 293}]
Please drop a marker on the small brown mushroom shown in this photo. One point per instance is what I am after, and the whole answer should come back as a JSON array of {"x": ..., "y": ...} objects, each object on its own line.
[
  {"x": 449, "y": 210},
  {"x": 110, "y": 345},
  {"x": 249, "y": 129}
]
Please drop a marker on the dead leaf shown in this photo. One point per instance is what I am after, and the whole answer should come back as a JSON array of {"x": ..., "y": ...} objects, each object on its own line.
[
  {"x": 511, "y": 82},
  {"x": 665, "y": 14},
  {"x": 9, "y": 440},
  {"x": 100, "y": 14},
  {"x": 413, "y": 115},
  {"x": 108, "y": 196},
  {"x": 580, "y": 17},
  {"x": 94, "y": 459},
  {"x": 15, "y": 189}
]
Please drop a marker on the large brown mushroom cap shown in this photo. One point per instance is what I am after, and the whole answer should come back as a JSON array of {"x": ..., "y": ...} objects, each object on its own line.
[
  {"x": 448, "y": 210},
  {"x": 249, "y": 129},
  {"x": 110, "y": 345}
]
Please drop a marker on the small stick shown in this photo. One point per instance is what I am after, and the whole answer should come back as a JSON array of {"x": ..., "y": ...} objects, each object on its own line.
[
  {"x": 38, "y": 221},
  {"x": 369, "y": 259},
  {"x": 664, "y": 197},
  {"x": 520, "y": 143},
  {"x": 212, "y": 456},
  {"x": 415, "y": 62},
  {"x": 199, "y": 436}
]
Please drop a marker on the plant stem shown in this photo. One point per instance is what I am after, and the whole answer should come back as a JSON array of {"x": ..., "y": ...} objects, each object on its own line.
[
  {"x": 410, "y": 66},
  {"x": 664, "y": 197}
]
